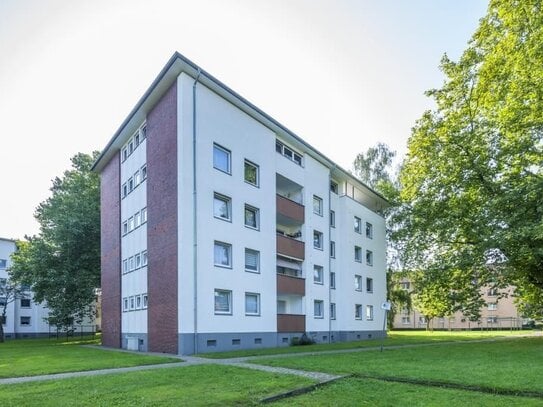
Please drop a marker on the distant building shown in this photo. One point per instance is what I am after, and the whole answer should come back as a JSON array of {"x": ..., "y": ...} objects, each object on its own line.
[
  {"x": 24, "y": 318},
  {"x": 222, "y": 230},
  {"x": 497, "y": 313}
]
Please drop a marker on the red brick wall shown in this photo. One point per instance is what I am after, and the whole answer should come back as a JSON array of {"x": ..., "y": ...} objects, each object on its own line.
[
  {"x": 162, "y": 223},
  {"x": 111, "y": 253}
]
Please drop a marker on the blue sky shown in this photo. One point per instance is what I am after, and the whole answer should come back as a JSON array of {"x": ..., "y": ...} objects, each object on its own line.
[{"x": 341, "y": 74}]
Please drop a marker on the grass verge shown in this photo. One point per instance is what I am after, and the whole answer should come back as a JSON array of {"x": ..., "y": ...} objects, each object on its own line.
[
  {"x": 513, "y": 365},
  {"x": 31, "y": 357},
  {"x": 394, "y": 338},
  {"x": 204, "y": 385}
]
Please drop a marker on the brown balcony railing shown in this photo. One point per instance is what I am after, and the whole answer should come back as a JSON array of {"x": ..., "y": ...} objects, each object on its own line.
[
  {"x": 290, "y": 209},
  {"x": 290, "y": 285},
  {"x": 290, "y": 247},
  {"x": 290, "y": 323}
]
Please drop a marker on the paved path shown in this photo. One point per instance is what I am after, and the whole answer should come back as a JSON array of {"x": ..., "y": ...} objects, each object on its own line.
[{"x": 239, "y": 362}]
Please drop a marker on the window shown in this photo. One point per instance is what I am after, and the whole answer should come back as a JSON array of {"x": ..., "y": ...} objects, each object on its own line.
[
  {"x": 131, "y": 147},
  {"x": 369, "y": 230},
  {"x": 145, "y": 300},
  {"x": 251, "y": 173},
  {"x": 125, "y": 227},
  {"x": 317, "y": 205},
  {"x": 317, "y": 239},
  {"x": 131, "y": 224},
  {"x": 358, "y": 254},
  {"x": 492, "y": 306},
  {"x": 125, "y": 266},
  {"x": 138, "y": 301},
  {"x": 332, "y": 219},
  {"x": 132, "y": 301},
  {"x": 369, "y": 285},
  {"x": 406, "y": 320},
  {"x": 223, "y": 302},
  {"x": 221, "y": 158},
  {"x": 369, "y": 312},
  {"x": 422, "y": 320},
  {"x": 25, "y": 302},
  {"x": 125, "y": 304},
  {"x": 137, "y": 220},
  {"x": 334, "y": 187},
  {"x": 144, "y": 172},
  {"x": 143, "y": 132},
  {"x": 144, "y": 258},
  {"x": 318, "y": 277},
  {"x": 405, "y": 285},
  {"x": 492, "y": 292},
  {"x": 125, "y": 153},
  {"x": 318, "y": 309},
  {"x": 223, "y": 254},
  {"x": 252, "y": 304},
  {"x": 369, "y": 257},
  {"x": 25, "y": 320},
  {"x": 287, "y": 152},
  {"x": 143, "y": 215},
  {"x": 130, "y": 184},
  {"x": 252, "y": 260},
  {"x": 332, "y": 249},
  {"x": 137, "y": 178},
  {"x": 492, "y": 320},
  {"x": 222, "y": 207},
  {"x": 333, "y": 310},
  {"x": 357, "y": 224},
  {"x": 358, "y": 311},
  {"x": 124, "y": 190},
  {"x": 358, "y": 283},
  {"x": 137, "y": 258},
  {"x": 131, "y": 263},
  {"x": 332, "y": 279},
  {"x": 137, "y": 138},
  {"x": 251, "y": 217}
]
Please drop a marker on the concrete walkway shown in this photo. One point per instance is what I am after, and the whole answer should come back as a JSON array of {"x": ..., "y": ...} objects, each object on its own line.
[{"x": 239, "y": 362}]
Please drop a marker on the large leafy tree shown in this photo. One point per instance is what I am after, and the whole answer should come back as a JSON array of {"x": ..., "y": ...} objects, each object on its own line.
[
  {"x": 472, "y": 182},
  {"x": 8, "y": 293},
  {"x": 62, "y": 263}
]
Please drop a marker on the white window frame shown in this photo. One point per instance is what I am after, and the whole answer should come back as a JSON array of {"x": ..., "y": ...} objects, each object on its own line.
[
  {"x": 25, "y": 324},
  {"x": 257, "y": 296},
  {"x": 369, "y": 285},
  {"x": 228, "y": 248},
  {"x": 131, "y": 303},
  {"x": 125, "y": 304},
  {"x": 369, "y": 313},
  {"x": 125, "y": 227},
  {"x": 131, "y": 263},
  {"x": 229, "y": 298},
  {"x": 357, "y": 225},
  {"x": 288, "y": 152},
  {"x": 369, "y": 257},
  {"x": 318, "y": 274},
  {"x": 143, "y": 172},
  {"x": 357, "y": 282},
  {"x": 228, "y": 153},
  {"x": 369, "y": 230},
  {"x": 406, "y": 320},
  {"x": 26, "y": 306},
  {"x": 332, "y": 310},
  {"x": 137, "y": 260},
  {"x": 332, "y": 249},
  {"x": 332, "y": 218},
  {"x": 254, "y": 252},
  {"x": 492, "y": 306},
  {"x": 334, "y": 187},
  {"x": 256, "y": 211},
  {"x": 137, "y": 220},
  {"x": 246, "y": 164},
  {"x": 137, "y": 178},
  {"x": 125, "y": 266},
  {"x": 317, "y": 205},
  {"x": 144, "y": 301},
  {"x": 358, "y": 311},
  {"x": 333, "y": 280},
  {"x": 143, "y": 215},
  {"x": 144, "y": 258},
  {"x": 320, "y": 308},
  {"x": 318, "y": 239},
  {"x": 358, "y": 254},
  {"x": 225, "y": 200},
  {"x": 138, "y": 301}
]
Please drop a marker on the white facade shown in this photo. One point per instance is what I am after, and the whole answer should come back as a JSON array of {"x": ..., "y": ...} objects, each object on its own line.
[
  {"x": 222, "y": 304},
  {"x": 24, "y": 317}
]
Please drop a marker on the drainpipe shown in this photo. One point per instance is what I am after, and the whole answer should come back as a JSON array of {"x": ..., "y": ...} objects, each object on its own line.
[
  {"x": 329, "y": 255},
  {"x": 195, "y": 214}
]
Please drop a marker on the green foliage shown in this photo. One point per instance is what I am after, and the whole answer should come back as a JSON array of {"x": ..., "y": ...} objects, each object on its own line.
[
  {"x": 62, "y": 263},
  {"x": 399, "y": 298},
  {"x": 9, "y": 292},
  {"x": 373, "y": 167},
  {"x": 302, "y": 341},
  {"x": 472, "y": 183}
]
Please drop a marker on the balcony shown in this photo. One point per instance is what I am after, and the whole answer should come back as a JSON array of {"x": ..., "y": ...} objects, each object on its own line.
[
  {"x": 289, "y": 212},
  {"x": 290, "y": 323},
  {"x": 290, "y": 247},
  {"x": 290, "y": 285}
]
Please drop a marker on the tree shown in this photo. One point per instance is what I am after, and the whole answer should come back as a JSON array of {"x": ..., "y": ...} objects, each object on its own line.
[
  {"x": 374, "y": 167},
  {"x": 398, "y": 297},
  {"x": 62, "y": 263},
  {"x": 8, "y": 293},
  {"x": 472, "y": 182}
]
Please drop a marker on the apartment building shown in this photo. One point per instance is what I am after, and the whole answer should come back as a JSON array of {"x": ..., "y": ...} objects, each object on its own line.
[
  {"x": 499, "y": 312},
  {"x": 24, "y": 317},
  {"x": 222, "y": 229}
]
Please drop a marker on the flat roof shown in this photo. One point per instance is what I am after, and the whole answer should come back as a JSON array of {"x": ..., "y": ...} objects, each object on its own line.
[{"x": 168, "y": 75}]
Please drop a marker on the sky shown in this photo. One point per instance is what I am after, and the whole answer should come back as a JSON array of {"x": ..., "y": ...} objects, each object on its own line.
[{"x": 342, "y": 74}]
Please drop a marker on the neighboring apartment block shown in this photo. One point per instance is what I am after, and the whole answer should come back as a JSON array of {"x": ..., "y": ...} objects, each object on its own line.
[
  {"x": 499, "y": 312},
  {"x": 24, "y": 318},
  {"x": 221, "y": 229}
]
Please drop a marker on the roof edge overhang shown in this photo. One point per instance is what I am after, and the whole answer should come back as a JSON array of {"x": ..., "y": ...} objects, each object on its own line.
[{"x": 178, "y": 64}]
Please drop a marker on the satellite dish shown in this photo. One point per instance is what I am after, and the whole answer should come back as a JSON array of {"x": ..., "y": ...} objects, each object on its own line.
[{"x": 386, "y": 306}]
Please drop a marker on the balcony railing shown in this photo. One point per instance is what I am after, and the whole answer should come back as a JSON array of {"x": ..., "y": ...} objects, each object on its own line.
[
  {"x": 290, "y": 285},
  {"x": 290, "y": 247},
  {"x": 293, "y": 211},
  {"x": 290, "y": 323}
]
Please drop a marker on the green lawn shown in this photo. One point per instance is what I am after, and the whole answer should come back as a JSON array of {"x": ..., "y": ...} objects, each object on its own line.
[
  {"x": 367, "y": 392},
  {"x": 509, "y": 365},
  {"x": 186, "y": 386},
  {"x": 394, "y": 338},
  {"x": 30, "y": 357}
]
